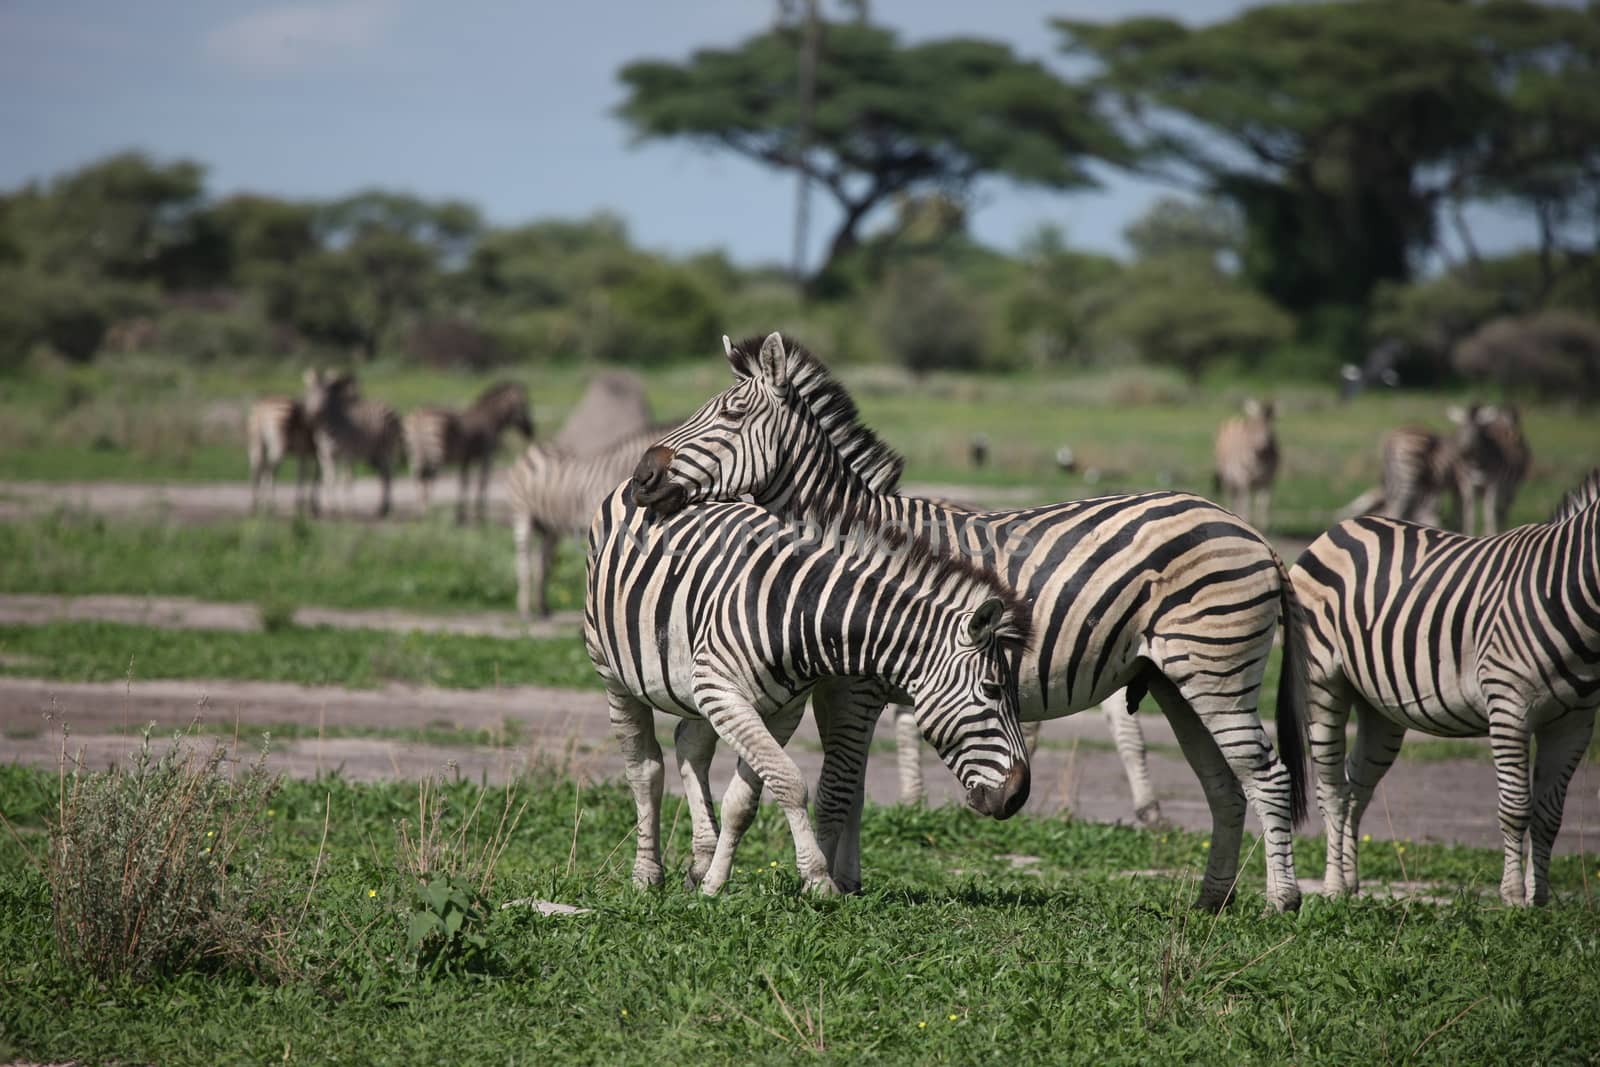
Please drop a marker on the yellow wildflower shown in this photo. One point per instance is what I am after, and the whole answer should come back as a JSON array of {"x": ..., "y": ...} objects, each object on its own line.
[
  {"x": 953, "y": 1016},
  {"x": 922, "y": 1026},
  {"x": 371, "y": 893}
]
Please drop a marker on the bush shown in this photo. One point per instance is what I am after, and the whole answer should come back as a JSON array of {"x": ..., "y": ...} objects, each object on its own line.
[
  {"x": 156, "y": 869},
  {"x": 453, "y": 344},
  {"x": 205, "y": 336},
  {"x": 659, "y": 313},
  {"x": 927, "y": 322},
  {"x": 1554, "y": 353},
  {"x": 70, "y": 316}
]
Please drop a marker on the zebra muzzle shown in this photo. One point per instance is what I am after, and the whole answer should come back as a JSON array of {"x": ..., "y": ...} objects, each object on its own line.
[
  {"x": 1004, "y": 800},
  {"x": 651, "y": 485}
]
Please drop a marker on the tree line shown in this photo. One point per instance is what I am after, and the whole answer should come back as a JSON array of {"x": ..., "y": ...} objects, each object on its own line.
[{"x": 1320, "y": 156}]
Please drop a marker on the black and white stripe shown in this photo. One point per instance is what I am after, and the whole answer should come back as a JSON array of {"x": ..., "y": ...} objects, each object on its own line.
[
  {"x": 554, "y": 493},
  {"x": 349, "y": 430},
  {"x": 1418, "y": 628},
  {"x": 277, "y": 427},
  {"x": 1419, "y": 470},
  {"x": 728, "y": 616},
  {"x": 1162, "y": 592},
  {"x": 1492, "y": 458},
  {"x": 437, "y": 438}
]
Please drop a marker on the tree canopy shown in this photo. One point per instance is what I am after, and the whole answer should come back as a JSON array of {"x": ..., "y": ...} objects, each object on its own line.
[{"x": 888, "y": 118}]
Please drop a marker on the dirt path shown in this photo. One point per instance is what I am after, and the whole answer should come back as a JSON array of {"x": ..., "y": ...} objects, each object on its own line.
[{"x": 1437, "y": 801}]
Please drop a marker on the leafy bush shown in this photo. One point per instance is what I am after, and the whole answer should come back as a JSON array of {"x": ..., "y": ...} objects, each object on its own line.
[
  {"x": 660, "y": 313},
  {"x": 1554, "y": 353},
  {"x": 156, "y": 868},
  {"x": 927, "y": 322},
  {"x": 206, "y": 336},
  {"x": 69, "y": 315},
  {"x": 453, "y": 343}
]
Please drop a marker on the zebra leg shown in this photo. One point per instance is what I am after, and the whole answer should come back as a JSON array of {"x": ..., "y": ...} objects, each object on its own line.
[
  {"x": 633, "y": 723},
  {"x": 908, "y": 753},
  {"x": 543, "y": 562},
  {"x": 385, "y": 475},
  {"x": 483, "y": 488},
  {"x": 760, "y": 745},
  {"x": 1129, "y": 739},
  {"x": 1508, "y": 740},
  {"x": 845, "y": 720},
  {"x": 1378, "y": 740},
  {"x": 1561, "y": 747},
  {"x": 522, "y": 536},
  {"x": 1264, "y": 502},
  {"x": 461, "y": 493},
  {"x": 1328, "y": 705},
  {"x": 695, "y": 742},
  {"x": 424, "y": 480},
  {"x": 1223, "y": 794},
  {"x": 740, "y": 802}
]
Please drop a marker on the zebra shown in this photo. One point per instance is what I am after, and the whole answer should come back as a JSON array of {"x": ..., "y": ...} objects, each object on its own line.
[
  {"x": 1419, "y": 628},
  {"x": 1246, "y": 453},
  {"x": 726, "y": 617},
  {"x": 1159, "y": 592},
  {"x": 277, "y": 427},
  {"x": 347, "y": 428},
  {"x": 554, "y": 493},
  {"x": 436, "y": 438},
  {"x": 1492, "y": 460}
]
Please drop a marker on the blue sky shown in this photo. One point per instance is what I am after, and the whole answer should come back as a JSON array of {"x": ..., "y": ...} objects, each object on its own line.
[{"x": 505, "y": 104}]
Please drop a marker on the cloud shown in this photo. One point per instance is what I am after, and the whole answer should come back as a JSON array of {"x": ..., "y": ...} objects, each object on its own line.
[{"x": 291, "y": 37}]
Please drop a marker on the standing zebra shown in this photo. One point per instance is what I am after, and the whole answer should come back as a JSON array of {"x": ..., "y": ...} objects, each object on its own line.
[
  {"x": 437, "y": 438},
  {"x": 278, "y": 427},
  {"x": 1419, "y": 469},
  {"x": 554, "y": 493},
  {"x": 727, "y": 616},
  {"x": 1492, "y": 459},
  {"x": 1418, "y": 628},
  {"x": 347, "y": 428},
  {"x": 1160, "y": 592},
  {"x": 1246, "y": 453}
]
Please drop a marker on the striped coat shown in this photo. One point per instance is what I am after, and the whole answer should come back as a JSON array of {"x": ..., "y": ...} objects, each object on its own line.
[
  {"x": 1162, "y": 593},
  {"x": 553, "y": 494},
  {"x": 1419, "y": 469},
  {"x": 727, "y": 617},
  {"x": 1492, "y": 460},
  {"x": 348, "y": 430},
  {"x": 437, "y": 438},
  {"x": 1246, "y": 454},
  {"x": 277, "y": 427},
  {"x": 1418, "y": 628}
]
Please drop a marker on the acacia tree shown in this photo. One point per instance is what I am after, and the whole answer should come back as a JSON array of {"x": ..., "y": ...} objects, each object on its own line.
[
  {"x": 886, "y": 118},
  {"x": 1338, "y": 129}
]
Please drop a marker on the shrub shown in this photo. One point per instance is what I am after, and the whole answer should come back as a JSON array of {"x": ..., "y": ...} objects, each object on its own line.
[
  {"x": 69, "y": 315},
  {"x": 205, "y": 336},
  {"x": 658, "y": 313},
  {"x": 1554, "y": 353},
  {"x": 453, "y": 343},
  {"x": 927, "y": 322},
  {"x": 156, "y": 868}
]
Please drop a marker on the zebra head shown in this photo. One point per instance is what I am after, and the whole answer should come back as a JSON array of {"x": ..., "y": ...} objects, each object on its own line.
[
  {"x": 763, "y": 436},
  {"x": 965, "y": 704},
  {"x": 327, "y": 391}
]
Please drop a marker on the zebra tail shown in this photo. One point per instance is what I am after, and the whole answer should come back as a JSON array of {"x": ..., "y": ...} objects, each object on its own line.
[{"x": 1292, "y": 725}]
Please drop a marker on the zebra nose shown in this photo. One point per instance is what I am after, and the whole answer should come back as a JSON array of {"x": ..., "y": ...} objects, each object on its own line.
[
  {"x": 1006, "y": 799},
  {"x": 652, "y": 469}
]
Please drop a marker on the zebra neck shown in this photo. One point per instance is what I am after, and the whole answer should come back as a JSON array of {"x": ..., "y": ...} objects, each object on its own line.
[
  {"x": 881, "y": 627},
  {"x": 816, "y": 481}
]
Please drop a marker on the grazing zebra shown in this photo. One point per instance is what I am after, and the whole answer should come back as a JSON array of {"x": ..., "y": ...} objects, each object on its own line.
[
  {"x": 347, "y": 428},
  {"x": 1246, "y": 454},
  {"x": 437, "y": 438},
  {"x": 728, "y": 616},
  {"x": 1492, "y": 459},
  {"x": 278, "y": 427},
  {"x": 554, "y": 493},
  {"x": 1159, "y": 592},
  {"x": 1418, "y": 628}
]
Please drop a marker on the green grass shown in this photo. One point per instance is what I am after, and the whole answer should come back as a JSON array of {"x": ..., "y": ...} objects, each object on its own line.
[
  {"x": 429, "y": 566},
  {"x": 313, "y": 655},
  {"x": 952, "y": 955},
  {"x": 149, "y": 419}
]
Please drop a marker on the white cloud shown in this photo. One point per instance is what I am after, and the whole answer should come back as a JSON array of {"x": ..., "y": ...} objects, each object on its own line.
[{"x": 291, "y": 37}]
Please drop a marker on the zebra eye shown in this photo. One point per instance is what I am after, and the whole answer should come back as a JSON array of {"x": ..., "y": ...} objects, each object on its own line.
[
  {"x": 992, "y": 691},
  {"x": 732, "y": 409}
]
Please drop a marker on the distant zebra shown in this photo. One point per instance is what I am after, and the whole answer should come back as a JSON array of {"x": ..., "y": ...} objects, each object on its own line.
[
  {"x": 1418, "y": 628},
  {"x": 1246, "y": 453},
  {"x": 277, "y": 427},
  {"x": 1419, "y": 469},
  {"x": 1158, "y": 592},
  {"x": 728, "y": 616},
  {"x": 348, "y": 429},
  {"x": 554, "y": 494},
  {"x": 1492, "y": 461},
  {"x": 437, "y": 438}
]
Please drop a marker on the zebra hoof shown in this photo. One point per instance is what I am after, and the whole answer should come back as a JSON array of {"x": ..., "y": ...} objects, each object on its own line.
[
  {"x": 822, "y": 887},
  {"x": 648, "y": 875},
  {"x": 1288, "y": 902},
  {"x": 1213, "y": 902},
  {"x": 1150, "y": 817}
]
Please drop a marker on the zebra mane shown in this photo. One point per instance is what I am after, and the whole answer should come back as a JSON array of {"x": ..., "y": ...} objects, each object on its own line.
[
  {"x": 917, "y": 560},
  {"x": 1583, "y": 495},
  {"x": 501, "y": 395},
  {"x": 862, "y": 450}
]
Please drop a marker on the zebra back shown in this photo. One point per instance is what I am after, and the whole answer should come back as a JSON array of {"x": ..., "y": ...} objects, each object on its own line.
[
  {"x": 503, "y": 405},
  {"x": 277, "y": 426},
  {"x": 558, "y": 490},
  {"x": 431, "y": 436},
  {"x": 352, "y": 427},
  {"x": 1581, "y": 496},
  {"x": 1246, "y": 449}
]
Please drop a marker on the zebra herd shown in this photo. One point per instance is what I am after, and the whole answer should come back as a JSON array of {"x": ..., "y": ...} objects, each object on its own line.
[
  {"x": 1158, "y": 593},
  {"x": 759, "y": 553}
]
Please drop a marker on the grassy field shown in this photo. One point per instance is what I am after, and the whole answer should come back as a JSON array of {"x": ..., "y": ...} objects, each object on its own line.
[
  {"x": 1034, "y": 940},
  {"x": 147, "y": 419}
]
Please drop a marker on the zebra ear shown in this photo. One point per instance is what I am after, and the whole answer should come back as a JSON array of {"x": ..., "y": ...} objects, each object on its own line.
[
  {"x": 985, "y": 621},
  {"x": 1456, "y": 414},
  {"x": 1252, "y": 407},
  {"x": 727, "y": 347},
  {"x": 774, "y": 363},
  {"x": 312, "y": 377}
]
